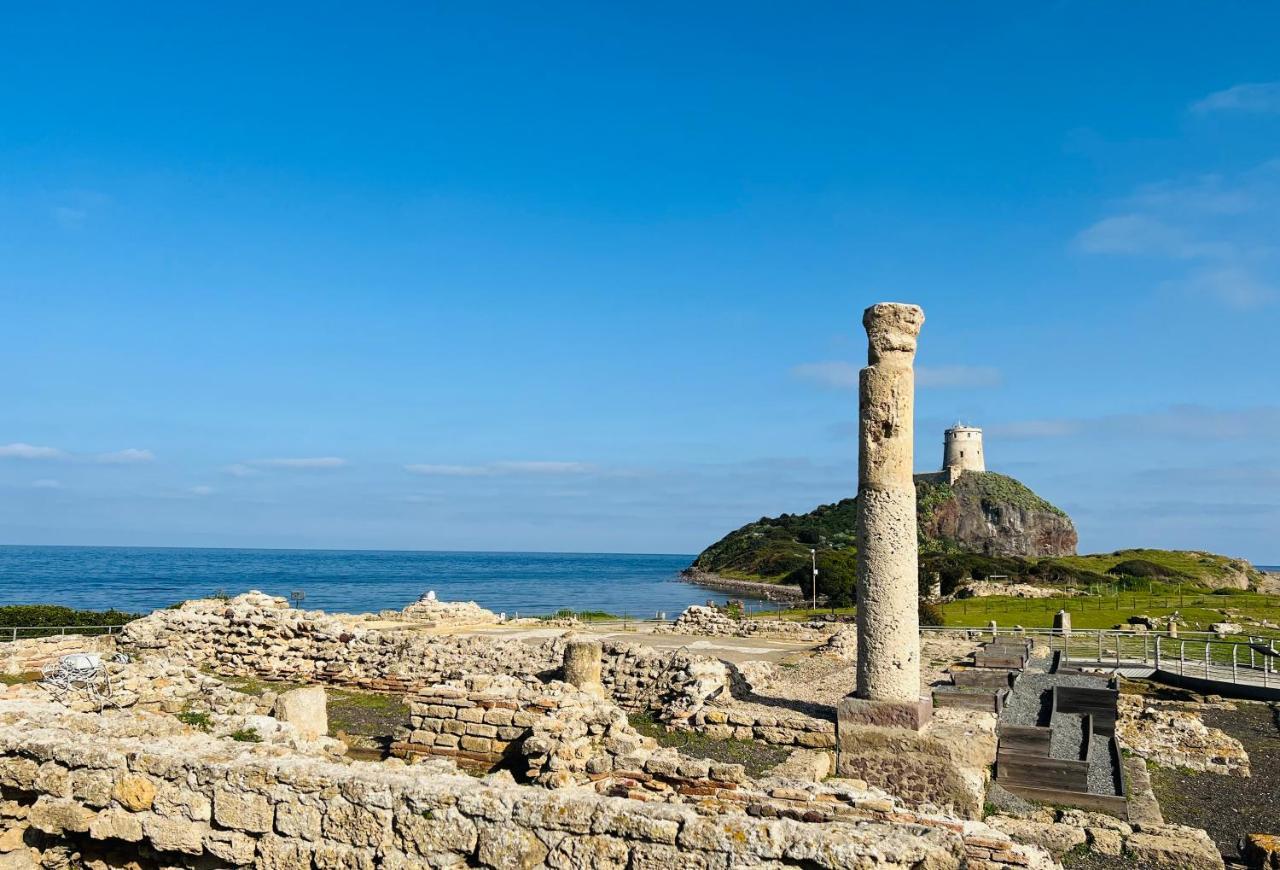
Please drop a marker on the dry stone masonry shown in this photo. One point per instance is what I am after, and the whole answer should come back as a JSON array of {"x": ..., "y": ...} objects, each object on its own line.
[{"x": 105, "y": 792}]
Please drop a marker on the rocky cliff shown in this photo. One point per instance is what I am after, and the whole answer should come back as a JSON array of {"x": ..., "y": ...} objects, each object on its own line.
[
  {"x": 985, "y": 512},
  {"x": 982, "y": 512}
]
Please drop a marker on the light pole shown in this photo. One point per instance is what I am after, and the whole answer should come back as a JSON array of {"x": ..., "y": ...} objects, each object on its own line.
[{"x": 813, "y": 554}]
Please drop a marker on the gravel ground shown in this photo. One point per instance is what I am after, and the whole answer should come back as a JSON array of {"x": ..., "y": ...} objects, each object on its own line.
[
  {"x": 1229, "y": 807},
  {"x": 1030, "y": 704},
  {"x": 1068, "y": 737}
]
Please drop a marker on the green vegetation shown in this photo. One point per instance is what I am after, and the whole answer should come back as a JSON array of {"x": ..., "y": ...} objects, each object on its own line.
[
  {"x": 52, "y": 616},
  {"x": 1197, "y": 607},
  {"x": 772, "y": 548},
  {"x": 1194, "y": 566},
  {"x": 254, "y": 686},
  {"x": 365, "y": 714},
  {"x": 21, "y": 679},
  {"x": 1000, "y": 489},
  {"x": 582, "y": 615},
  {"x": 756, "y": 757},
  {"x": 246, "y": 735},
  {"x": 196, "y": 720}
]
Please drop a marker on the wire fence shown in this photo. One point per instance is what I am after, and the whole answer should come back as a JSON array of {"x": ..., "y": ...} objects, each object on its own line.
[{"x": 25, "y": 632}]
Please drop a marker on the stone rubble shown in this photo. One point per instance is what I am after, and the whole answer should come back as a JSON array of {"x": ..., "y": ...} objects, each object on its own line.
[
  {"x": 713, "y": 622},
  {"x": 430, "y": 609},
  {"x": 1177, "y": 738}
]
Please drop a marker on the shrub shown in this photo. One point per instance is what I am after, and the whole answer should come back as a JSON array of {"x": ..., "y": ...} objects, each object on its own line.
[
  {"x": 1140, "y": 568},
  {"x": 196, "y": 720},
  {"x": 246, "y": 735},
  {"x": 930, "y": 614}
]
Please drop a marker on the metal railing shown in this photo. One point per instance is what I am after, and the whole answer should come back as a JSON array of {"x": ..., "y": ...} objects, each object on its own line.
[
  {"x": 1255, "y": 662},
  {"x": 22, "y": 632}
]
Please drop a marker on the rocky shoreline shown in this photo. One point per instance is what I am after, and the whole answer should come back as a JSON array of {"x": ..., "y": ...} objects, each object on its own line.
[{"x": 767, "y": 591}]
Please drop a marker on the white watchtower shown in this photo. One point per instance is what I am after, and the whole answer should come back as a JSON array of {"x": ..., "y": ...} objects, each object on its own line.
[{"x": 962, "y": 450}]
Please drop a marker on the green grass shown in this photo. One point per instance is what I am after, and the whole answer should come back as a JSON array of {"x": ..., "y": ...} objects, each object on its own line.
[
  {"x": 756, "y": 757},
  {"x": 365, "y": 714},
  {"x": 1090, "y": 611},
  {"x": 1195, "y": 565},
  {"x": 582, "y": 615},
  {"x": 255, "y": 686},
  {"x": 1107, "y": 611}
]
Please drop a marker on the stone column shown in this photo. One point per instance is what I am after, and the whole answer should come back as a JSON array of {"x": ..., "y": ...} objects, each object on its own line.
[
  {"x": 888, "y": 590},
  {"x": 582, "y": 665}
]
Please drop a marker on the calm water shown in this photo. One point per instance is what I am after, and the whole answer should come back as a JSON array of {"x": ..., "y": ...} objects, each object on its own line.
[{"x": 143, "y": 579}]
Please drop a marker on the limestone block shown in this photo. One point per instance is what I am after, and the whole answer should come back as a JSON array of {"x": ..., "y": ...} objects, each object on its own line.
[
  {"x": 242, "y": 811},
  {"x": 507, "y": 847},
  {"x": 1174, "y": 846},
  {"x": 1055, "y": 838},
  {"x": 175, "y": 835},
  {"x": 304, "y": 709},
  {"x": 116, "y": 824},
  {"x": 55, "y": 815},
  {"x": 135, "y": 793}
]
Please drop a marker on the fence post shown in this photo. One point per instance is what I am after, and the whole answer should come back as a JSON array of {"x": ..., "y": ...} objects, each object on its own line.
[
  {"x": 1099, "y": 645},
  {"x": 1235, "y": 676},
  {"x": 1182, "y": 657},
  {"x": 1119, "y": 640},
  {"x": 1206, "y": 659},
  {"x": 1157, "y": 652}
]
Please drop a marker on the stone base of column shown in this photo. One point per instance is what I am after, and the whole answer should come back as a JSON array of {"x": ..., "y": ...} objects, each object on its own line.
[
  {"x": 858, "y": 712},
  {"x": 944, "y": 764}
]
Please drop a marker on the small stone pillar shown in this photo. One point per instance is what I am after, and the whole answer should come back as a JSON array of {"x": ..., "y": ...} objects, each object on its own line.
[
  {"x": 582, "y": 665},
  {"x": 994, "y": 629},
  {"x": 1062, "y": 623},
  {"x": 1173, "y": 628},
  {"x": 305, "y": 709},
  {"x": 888, "y": 691}
]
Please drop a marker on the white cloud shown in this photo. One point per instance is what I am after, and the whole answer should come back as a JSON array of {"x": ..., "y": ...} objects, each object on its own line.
[
  {"x": 543, "y": 467},
  {"x": 202, "y": 490},
  {"x": 19, "y": 450},
  {"x": 1143, "y": 235},
  {"x": 1236, "y": 286},
  {"x": 46, "y": 483},
  {"x": 840, "y": 375},
  {"x": 494, "y": 469},
  {"x": 298, "y": 462},
  {"x": 834, "y": 374},
  {"x": 449, "y": 470},
  {"x": 957, "y": 377},
  {"x": 1253, "y": 97},
  {"x": 72, "y": 209},
  {"x": 1184, "y": 422},
  {"x": 1219, "y": 232},
  {"x": 130, "y": 456}
]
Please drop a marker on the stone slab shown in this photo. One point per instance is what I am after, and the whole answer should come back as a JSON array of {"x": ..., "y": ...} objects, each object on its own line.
[{"x": 859, "y": 712}]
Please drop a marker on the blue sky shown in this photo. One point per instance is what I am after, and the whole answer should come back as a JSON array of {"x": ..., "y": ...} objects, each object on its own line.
[{"x": 581, "y": 277}]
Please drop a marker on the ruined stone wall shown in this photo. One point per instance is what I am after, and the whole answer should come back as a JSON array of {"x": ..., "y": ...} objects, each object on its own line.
[
  {"x": 783, "y": 728},
  {"x": 107, "y": 792},
  {"x": 256, "y": 634},
  {"x": 27, "y": 655}
]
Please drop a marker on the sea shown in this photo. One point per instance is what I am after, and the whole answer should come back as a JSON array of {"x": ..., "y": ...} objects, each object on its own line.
[{"x": 142, "y": 579}]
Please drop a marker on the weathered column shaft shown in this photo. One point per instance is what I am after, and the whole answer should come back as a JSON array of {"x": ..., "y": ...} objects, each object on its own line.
[
  {"x": 888, "y": 619},
  {"x": 582, "y": 665}
]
